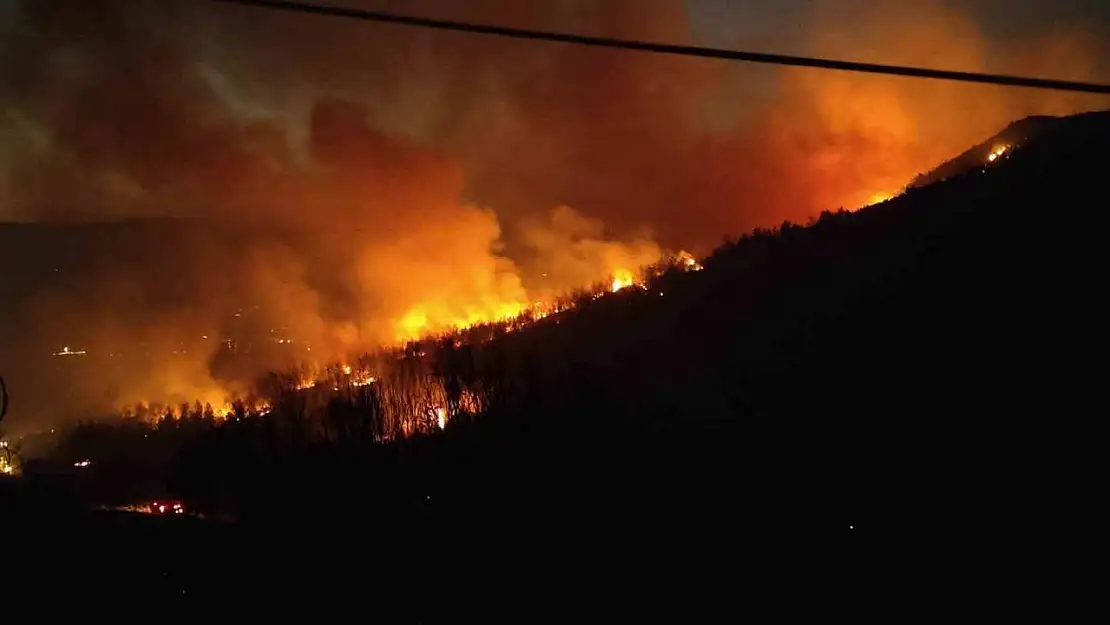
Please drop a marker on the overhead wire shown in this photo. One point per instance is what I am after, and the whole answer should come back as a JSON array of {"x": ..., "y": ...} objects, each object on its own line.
[{"x": 674, "y": 49}]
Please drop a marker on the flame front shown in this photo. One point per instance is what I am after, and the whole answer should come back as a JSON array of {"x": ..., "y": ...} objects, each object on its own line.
[
  {"x": 622, "y": 279},
  {"x": 414, "y": 404},
  {"x": 431, "y": 317}
]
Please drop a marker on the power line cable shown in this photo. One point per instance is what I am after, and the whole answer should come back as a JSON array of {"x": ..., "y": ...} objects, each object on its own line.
[{"x": 663, "y": 48}]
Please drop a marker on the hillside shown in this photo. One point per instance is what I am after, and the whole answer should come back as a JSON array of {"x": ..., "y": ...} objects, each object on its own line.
[
  {"x": 1024, "y": 132},
  {"x": 944, "y": 317},
  {"x": 748, "y": 437},
  {"x": 941, "y": 321},
  {"x": 942, "y": 325}
]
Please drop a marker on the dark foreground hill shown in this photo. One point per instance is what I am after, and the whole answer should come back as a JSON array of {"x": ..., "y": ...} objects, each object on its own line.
[
  {"x": 953, "y": 318},
  {"x": 889, "y": 415}
]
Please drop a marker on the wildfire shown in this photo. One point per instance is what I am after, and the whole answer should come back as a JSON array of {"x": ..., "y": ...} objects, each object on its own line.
[
  {"x": 408, "y": 414},
  {"x": 622, "y": 279},
  {"x": 429, "y": 318},
  {"x": 362, "y": 379},
  {"x": 997, "y": 153},
  {"x": 688, "y": 262},
  {"x": 6, "y": 466}
]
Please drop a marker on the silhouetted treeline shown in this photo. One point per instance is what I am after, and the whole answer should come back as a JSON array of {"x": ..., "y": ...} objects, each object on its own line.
[
  {"x": 718, "y": 442},
  {"x": 943, "y": 321}
]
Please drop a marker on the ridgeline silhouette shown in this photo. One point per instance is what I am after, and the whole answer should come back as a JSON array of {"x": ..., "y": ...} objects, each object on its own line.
[{"x": 759, "y": 395}]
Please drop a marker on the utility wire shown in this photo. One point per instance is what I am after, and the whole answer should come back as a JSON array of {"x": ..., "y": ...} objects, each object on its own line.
[{"x": 662, "y": 48}]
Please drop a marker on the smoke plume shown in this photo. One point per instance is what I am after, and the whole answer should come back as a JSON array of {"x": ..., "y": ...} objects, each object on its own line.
[{"x": 334, "y": 185}]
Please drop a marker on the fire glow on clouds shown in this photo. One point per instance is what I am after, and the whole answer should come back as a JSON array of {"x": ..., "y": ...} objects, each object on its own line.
[{"x": 345, "y": 151}]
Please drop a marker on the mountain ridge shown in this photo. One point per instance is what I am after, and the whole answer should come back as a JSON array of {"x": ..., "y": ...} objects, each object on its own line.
[{"x": 1014, "y": 135}]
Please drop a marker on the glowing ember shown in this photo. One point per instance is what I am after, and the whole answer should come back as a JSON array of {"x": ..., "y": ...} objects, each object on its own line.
[{"x": 997, "y": 153}]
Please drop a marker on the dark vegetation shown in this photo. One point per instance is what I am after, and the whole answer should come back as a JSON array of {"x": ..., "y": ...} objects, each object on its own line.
[{"x": 924, "y": 370}]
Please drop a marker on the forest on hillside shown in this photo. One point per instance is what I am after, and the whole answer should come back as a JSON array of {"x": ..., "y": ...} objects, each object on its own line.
[{"x": 941, "y": 322}]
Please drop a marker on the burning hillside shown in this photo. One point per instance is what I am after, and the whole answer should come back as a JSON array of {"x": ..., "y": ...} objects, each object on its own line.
[
  {"x": 406, "y": 381},
  {"x": 323, "y": 189}
]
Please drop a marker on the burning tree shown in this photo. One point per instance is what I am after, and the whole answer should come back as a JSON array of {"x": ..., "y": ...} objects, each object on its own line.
[{"x": 7, "y": 465}]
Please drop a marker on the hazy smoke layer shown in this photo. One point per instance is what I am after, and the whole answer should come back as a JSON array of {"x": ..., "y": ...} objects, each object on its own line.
[{"x": 352, "y": 184}]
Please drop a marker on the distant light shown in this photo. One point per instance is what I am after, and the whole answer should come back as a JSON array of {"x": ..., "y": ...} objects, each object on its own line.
[
  {"x": 66, "y": 351},
  {"x": 851, "y": 527}
]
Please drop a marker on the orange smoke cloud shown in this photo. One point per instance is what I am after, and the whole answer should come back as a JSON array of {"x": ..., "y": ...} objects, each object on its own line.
[
  {"x": 567, "y": 249},
  {"x": 347, "y": 184},
  {"x": 849, "y": 139}
]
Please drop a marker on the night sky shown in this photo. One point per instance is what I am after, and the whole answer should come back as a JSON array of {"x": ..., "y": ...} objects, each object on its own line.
[{"x": 775, "y": 25}]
